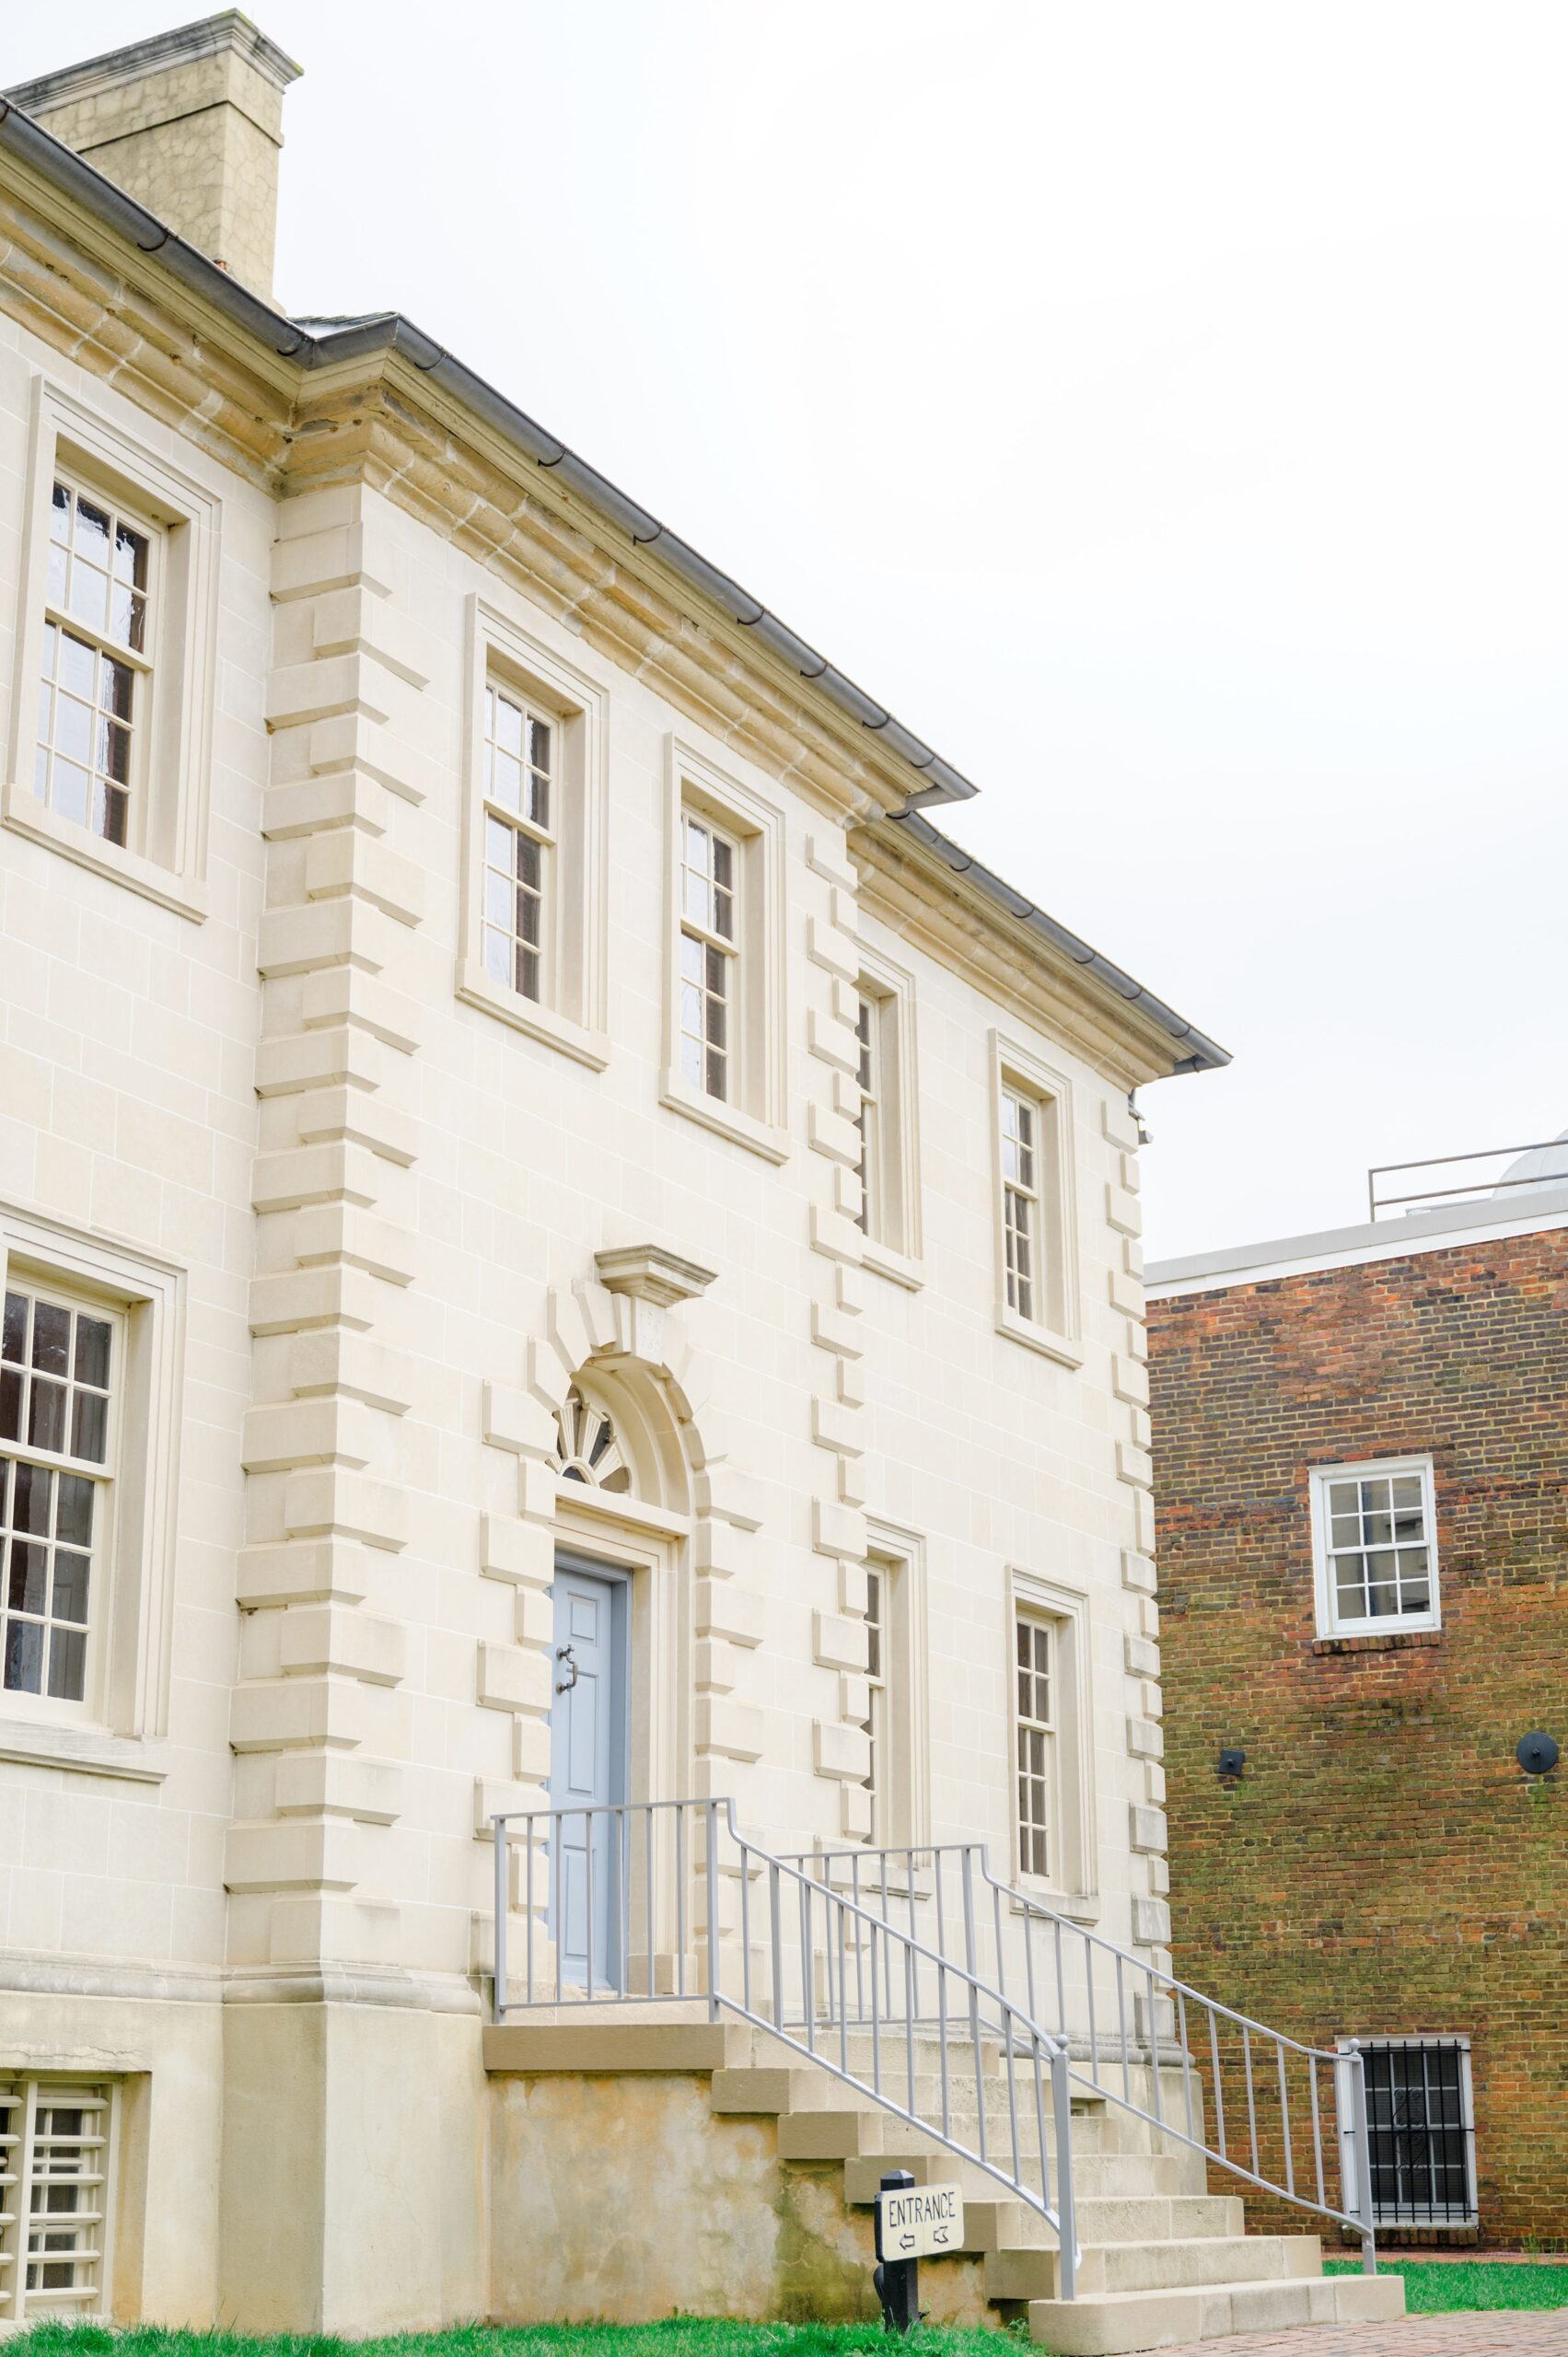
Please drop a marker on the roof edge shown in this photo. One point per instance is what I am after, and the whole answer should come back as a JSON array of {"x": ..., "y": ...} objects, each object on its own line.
[{"x": 1487, "y": 1217}]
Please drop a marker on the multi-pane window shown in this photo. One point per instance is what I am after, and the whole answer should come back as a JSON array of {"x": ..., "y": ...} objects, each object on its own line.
[
  {"x": 53, "y": 2179},
  {"x": 1037, "y": 1744},
  {"x": 877, "y": 1581},
  {"x": 1421, "y": 2132},
  {"x": 1376, "y": 1544},
  {"x": 866, "y": 1046},
  {"x": 519, "y": 842},
  {"x": 56, "y": 1368},
  {"x": 710, "y": 864},
  {"x": 96, "y": 676},
  {"x": 1020, "y": 1201}
]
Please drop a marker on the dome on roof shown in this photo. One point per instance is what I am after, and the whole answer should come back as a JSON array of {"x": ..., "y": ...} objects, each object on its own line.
[{"x": 1538, "y": 1167}]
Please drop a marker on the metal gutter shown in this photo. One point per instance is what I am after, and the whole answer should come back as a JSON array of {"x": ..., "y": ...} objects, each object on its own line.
[{"x": 1204, "y": 1054}]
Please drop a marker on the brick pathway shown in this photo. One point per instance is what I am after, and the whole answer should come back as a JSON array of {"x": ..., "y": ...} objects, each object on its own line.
[{"x": 1496, "y": 2333}]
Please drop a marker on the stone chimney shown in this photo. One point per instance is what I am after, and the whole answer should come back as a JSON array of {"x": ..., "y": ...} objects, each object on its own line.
[{"x": 189, "y": 124}]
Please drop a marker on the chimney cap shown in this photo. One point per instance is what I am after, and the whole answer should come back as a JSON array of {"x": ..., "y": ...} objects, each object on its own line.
[{"x": 209, "y": 36}]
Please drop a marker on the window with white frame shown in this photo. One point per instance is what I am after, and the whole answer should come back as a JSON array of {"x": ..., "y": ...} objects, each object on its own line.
[
  {"x": 887, "y": 1165},
  {"x": 1020, "y": 1202},
  {"x": 897, "y": 1682},
  {"x": 725, "y": 1062},
  {"x": 1033, "y": 1648},
  {"x": 55, "y": 2143},
  {"x": 90, "y": 1345},
  {"x": 59, "y": 1370},
  {"x": 1374, "y": 1535},
  {"x": 110, "y": 745},
  {"x": 96, "y": 680},
  {"x": 868, "y": 1120},
  {"x": 1037, "y": 1274},
  {"x": 520, "y": 843},
  {"x": 710, "y": 955},
  {"x": 1421, "y": 2130},
  {"x": 531, "y": 946}
]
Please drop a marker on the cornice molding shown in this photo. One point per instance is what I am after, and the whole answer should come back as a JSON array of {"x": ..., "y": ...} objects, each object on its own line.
[{"x": 923, "y": 902}]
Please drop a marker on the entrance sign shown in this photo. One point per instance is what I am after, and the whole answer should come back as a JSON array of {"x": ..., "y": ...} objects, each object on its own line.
[{"x": 919, "y": 2221}]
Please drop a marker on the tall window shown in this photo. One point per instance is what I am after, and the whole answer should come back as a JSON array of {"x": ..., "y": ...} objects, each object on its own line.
[
  {"x": 1020, "y": 1201},
  {"x": 53, "y": 2176},
  {"x": 1037, "y": 1745},
  {"x": 865, "y": 1029},
  {"x": 877, "y": 1584},
  {"x": 96, "y": 674},
  {"x": 709, "y": 957},
  {"x": 56, "y": 1369},
  {"x": 1376, "y": 1542},
  {"x": 519, "y": 842}
]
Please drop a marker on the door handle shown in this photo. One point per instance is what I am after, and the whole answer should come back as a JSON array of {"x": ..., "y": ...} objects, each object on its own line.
[{"x": 565, "y": 1685}]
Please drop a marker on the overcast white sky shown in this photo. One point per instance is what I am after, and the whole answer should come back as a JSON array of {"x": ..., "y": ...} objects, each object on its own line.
[{"x": 1164, "y": 408}]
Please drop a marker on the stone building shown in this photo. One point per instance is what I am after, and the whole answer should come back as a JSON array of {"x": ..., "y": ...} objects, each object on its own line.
[
  {"x": 564, "y": 1246},
  {"x": 1362, "y": 1467}
]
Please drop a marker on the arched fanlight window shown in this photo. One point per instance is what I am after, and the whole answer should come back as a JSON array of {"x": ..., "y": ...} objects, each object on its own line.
[{"x": 588, "y": 1448}]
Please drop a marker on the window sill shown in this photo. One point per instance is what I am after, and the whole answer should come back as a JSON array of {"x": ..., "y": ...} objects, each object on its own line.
[
  {"x": 90, "y": 1751},
  {"x": 30, "y": 816},
  {"x": 728, "y": 1120},
  {"x": 1075, "y": 1906},
  {"x": 896, "y": 1266},
  {"x": 1038, "y": 1338},
  {"x": 1377, "y": 1641},
  {"x": 475, "y": 988}
]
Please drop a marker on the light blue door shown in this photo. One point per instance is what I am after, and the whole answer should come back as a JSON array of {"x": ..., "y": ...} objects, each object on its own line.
[{"x": 587, "y": 1769}]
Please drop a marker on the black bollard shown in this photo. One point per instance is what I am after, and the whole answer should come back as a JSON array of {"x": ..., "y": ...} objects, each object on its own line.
[{"x": 895, "y": 2280}]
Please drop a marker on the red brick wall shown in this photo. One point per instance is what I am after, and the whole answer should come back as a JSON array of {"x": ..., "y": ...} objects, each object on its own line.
[{"x": 1383, "y": 1866}]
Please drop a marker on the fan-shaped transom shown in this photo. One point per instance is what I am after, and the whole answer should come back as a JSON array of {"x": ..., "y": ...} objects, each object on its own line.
[{"x": 589, "y": 1449}]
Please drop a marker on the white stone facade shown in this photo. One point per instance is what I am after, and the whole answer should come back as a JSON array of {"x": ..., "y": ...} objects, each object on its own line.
[{"x": 344, "y": 1197}]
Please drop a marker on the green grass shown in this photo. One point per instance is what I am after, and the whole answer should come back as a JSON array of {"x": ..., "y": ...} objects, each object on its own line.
[
  {"x": 673, "y": 2337},
  {"x": 1440, "y": 2288}
]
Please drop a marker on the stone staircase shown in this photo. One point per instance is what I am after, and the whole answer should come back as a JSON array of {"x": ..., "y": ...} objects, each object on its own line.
[{"x": 1164, "y": 2260}]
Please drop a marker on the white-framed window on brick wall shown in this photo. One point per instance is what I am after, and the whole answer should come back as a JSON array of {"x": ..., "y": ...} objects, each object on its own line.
[
  {"x": 1375, "y": 1547},
  {"x": 724, "y": 1049},
  {"x": 56, "y": 2182},
  {"x": 898, "y": 1688},
  {"x": 90, "y": 1343},
  {"x": 1421, "y": 2130},
  {"x": 1050, "y": 1765},
  {"x": 1035, "y": 1224},
  {"x": 531, "y": 942},
  {"x": 112, "y": 741},
  {"x": 888, "y": 1121}
]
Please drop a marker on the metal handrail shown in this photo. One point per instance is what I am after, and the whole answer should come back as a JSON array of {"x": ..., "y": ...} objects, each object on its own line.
[
  {"x": 1376, "y": 1203},
  {"x": 856, "y": 1973},
  {"x": 896, "y": 1875}
]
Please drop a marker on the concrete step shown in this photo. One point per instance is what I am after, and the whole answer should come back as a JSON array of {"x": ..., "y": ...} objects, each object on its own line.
[
  {"x": 1111, "y": 2324},
  {"x": 1127, "y": 2174},
  {"x": 1118, "y": 2266}
]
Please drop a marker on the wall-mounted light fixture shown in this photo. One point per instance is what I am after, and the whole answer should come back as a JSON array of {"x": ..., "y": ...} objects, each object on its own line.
[
  {"x": 1230, "y": 1764},
  {"x": 1536, "y": 1754}
]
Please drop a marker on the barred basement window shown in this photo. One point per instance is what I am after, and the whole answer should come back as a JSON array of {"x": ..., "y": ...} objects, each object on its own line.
[
  {"x": 1037, "y": 1746},
  {"x": 56, "y": 1361},
  {"x": 1421, "y": 2127},
  {"x": 54, "y": 2148}
]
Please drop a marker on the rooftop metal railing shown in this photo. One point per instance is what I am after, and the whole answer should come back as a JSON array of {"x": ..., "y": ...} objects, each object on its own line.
[
  {"x": 960, "y": 2005},
  {"x": 1485, "y": 1183}
]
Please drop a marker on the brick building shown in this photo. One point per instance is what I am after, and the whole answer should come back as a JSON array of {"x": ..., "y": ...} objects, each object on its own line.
[{"x": 1361, "y": 1448}]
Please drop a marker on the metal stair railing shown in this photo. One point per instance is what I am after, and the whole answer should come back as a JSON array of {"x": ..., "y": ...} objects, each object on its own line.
[
  {"x": 667, "y": 1901},
  {"x": 950, "y": 1889}
]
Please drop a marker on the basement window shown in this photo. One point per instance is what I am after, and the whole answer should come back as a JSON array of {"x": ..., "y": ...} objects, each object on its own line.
[
  {"x": 1420, "y": 2125},
  {"x": 55, "y": 2176}
]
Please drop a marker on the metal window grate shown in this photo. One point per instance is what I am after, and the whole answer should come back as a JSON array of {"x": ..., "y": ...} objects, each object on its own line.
[
  {"x": 54, "y": 2184},
  {"x": 1421, "y": 2131}
]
